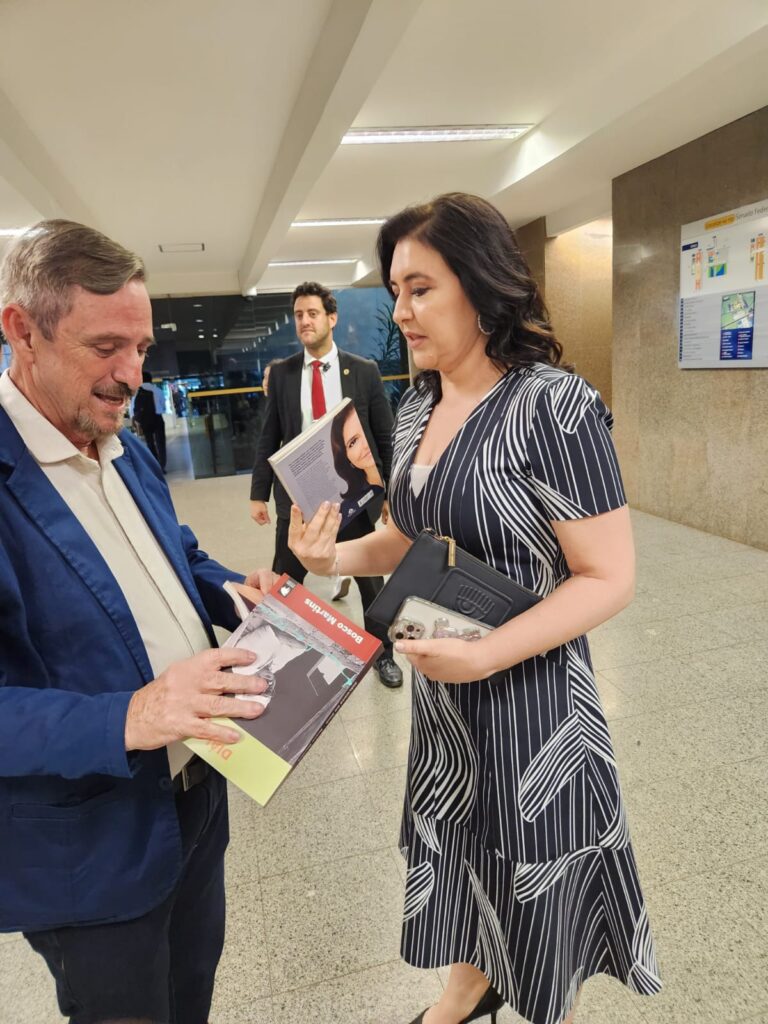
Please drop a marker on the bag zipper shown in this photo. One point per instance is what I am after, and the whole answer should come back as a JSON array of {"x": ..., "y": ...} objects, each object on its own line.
[{"x": 451, "y": 547}]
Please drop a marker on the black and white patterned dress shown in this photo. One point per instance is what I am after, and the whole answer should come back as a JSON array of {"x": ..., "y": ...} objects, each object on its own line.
[{"x": 519, "y": 859}]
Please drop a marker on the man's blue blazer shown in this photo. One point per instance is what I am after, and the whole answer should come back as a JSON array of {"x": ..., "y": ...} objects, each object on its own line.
[{"x": 87, "y": 832}]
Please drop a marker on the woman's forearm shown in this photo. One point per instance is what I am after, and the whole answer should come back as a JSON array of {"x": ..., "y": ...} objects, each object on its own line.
[
  {"x": 376, "y": 554},
  {"x": 575, "y": 607}
]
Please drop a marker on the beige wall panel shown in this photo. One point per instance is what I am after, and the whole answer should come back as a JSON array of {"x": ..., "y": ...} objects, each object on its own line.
[
  {"x": 574, "y": 273},
  {"x": 693, "y": 443},
  {"x": 578, "y": 277},
  {"x": 532, "y": 239}
]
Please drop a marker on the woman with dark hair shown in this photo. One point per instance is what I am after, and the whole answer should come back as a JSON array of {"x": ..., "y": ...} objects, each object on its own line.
[
  {"x": 354, "y": 463},
  {"x": 521, "y": 875}
]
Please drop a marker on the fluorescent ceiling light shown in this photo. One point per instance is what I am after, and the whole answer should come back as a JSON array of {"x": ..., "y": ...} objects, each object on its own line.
[
  {"x": 342, "y": 222},
  {"x": 435, "y": 133},
  {"x": 310, "y": 263},
  {"x": 172, "y": 247},
  {"x": 11, "y": 232}
]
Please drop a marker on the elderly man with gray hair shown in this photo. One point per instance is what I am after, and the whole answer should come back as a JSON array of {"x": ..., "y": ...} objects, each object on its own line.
[{"x": 112, "y": 838}]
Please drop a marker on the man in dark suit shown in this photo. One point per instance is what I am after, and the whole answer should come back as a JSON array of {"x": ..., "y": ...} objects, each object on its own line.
[{"x": 301, "y": 389}]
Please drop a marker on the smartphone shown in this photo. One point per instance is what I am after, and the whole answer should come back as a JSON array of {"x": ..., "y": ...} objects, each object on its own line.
[{"x": 418, "y": 619}]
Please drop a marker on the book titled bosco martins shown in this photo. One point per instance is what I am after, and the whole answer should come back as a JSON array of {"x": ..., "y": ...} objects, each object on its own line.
[{"x": 311, "y": 658}]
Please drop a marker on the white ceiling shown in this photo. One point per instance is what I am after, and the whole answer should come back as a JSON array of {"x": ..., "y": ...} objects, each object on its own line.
[{"x": 166, "y": 121}]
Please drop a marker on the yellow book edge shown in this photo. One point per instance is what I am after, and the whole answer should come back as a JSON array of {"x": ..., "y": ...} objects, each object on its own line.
[{"x": 252, "y": 767}]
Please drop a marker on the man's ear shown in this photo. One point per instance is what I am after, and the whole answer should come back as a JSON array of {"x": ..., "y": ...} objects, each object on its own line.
[
  {"x": 17, "y": 327},
  {"x": 333, "y": 319}
]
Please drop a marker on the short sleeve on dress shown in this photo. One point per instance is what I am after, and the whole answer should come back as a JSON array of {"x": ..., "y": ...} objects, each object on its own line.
[{"x": 570, "y": 451}]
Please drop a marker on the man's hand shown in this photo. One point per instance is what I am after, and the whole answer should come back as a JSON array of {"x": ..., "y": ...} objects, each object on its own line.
[
  {"x": 262, "y": 580},
  {"x": 181, "y": 702},
  {"x": 314, "y": 543},
  {"x": 449, "y": 660},
  {"x": 260, "y": 513}
]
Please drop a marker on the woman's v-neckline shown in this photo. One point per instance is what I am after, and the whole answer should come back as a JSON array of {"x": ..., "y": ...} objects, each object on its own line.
[{"x": 425, "y": 420}]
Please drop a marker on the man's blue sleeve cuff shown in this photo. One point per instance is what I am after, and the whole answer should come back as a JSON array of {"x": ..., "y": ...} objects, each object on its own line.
[{"x": 122, "y": 763}]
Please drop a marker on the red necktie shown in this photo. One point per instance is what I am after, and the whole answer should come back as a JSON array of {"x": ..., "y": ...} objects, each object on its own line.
[{"x": 318, "y": 395}]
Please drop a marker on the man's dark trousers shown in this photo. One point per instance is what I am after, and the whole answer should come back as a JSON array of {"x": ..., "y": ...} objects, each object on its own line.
[
  {"x": 154, "y": 434},
  {"x": 159, "y": 967}
]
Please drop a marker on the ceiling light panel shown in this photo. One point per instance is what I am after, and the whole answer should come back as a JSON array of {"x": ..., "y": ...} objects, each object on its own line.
[
  {"x": 434, "y": 133},
  {"x": 11, "y": 232},
  {"x": 173, "y": 247},
  {"x": 344, "y": 222},
  {"x": 312, "y": 263}
]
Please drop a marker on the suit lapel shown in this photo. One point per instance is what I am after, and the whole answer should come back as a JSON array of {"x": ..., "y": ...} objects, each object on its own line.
[
  {"x": 292, "y": 397},
  {"x": 348, "y": 376},
  {"x": 48, "y": 510}
]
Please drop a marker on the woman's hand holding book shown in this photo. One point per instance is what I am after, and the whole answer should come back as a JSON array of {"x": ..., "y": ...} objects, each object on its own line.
[{"x": 314, "y": 543}]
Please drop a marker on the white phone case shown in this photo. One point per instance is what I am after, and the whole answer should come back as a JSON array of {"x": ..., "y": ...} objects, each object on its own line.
[{"x": 419, "y": 619}]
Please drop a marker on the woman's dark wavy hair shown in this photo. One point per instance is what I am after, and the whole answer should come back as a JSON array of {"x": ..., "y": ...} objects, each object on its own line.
[
  {"x": 481, "y": 249},
  {"x": 355, "y": 478}
]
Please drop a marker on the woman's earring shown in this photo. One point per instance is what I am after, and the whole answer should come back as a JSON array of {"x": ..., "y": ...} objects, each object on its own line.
[{"x": 481, "y": 328}]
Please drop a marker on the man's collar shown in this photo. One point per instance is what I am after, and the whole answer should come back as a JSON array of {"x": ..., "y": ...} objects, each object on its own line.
[
  {"x": 46, "y": 444},
  {"x": 329, "y": 358}
]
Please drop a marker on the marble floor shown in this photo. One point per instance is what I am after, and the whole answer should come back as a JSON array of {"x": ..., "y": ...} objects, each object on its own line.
[{"x": 315, "y": 880}]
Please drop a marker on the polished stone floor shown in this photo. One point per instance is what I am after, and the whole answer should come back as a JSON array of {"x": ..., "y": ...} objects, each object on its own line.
[{"x": 315, "y": 881}]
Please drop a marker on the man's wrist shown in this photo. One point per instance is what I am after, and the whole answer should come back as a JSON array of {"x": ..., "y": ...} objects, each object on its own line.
[{"x": 130, "y": 738}]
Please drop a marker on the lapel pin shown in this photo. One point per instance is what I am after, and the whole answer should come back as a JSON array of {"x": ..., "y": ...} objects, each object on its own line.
[{"x": 346, "y": 371}]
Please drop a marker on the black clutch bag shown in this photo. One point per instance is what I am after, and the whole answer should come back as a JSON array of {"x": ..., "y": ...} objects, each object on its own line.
[{"x": 436, "y": 569}]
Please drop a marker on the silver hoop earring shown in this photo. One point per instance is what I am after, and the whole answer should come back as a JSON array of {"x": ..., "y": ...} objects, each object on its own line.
[{"x": 481, "y": 328}]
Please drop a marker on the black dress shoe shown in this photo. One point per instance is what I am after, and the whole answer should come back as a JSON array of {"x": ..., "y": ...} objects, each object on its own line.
[
  {"x": 490, "y": 1004},
  {"x": 389, "y": 671}
]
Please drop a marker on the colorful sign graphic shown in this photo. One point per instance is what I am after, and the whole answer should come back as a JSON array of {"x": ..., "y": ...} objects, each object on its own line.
[{"x": 723, "y": 291}]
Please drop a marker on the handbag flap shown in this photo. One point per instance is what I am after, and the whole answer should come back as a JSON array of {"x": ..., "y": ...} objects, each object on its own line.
[
  {"x": 417, "y": 575},
  {"x": 480, "y": 599},
  {"x": 471, "y": 587}
]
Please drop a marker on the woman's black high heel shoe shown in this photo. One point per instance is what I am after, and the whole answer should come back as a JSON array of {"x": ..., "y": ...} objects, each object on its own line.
[{"x": 491, "y": 1003}]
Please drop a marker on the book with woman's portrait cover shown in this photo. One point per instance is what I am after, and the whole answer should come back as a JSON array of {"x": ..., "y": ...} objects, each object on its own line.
[
  {"x": 311, "y": 658},
  {"x": 330, "y": 461}
]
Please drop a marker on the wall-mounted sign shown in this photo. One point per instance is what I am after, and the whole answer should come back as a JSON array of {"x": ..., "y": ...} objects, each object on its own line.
[{"x": 724, "y": 291}]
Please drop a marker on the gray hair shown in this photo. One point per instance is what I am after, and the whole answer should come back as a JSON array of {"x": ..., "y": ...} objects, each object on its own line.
[{"x": 42, "y": 266}]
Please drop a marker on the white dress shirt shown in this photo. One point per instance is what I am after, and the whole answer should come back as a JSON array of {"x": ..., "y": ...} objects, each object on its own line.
[
  {"x": 94, "y": 491},
  {"x": 331, "y": 379}
]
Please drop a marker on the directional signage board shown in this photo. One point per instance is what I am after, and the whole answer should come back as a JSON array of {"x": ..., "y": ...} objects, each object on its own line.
[{"x": 724, "y": 291}]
